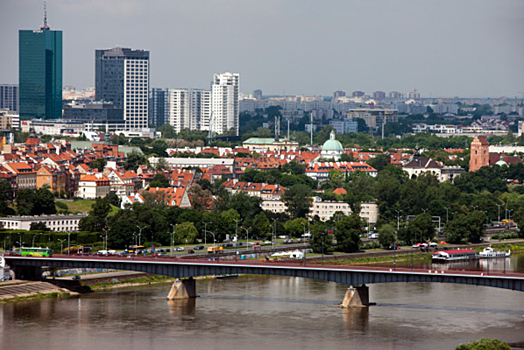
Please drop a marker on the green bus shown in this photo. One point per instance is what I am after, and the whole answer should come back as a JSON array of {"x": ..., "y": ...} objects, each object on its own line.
[{"x": 27, "y": 251}]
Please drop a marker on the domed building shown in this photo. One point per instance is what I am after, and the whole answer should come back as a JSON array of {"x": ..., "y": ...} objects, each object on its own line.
[{"x": 332, "y": 148}]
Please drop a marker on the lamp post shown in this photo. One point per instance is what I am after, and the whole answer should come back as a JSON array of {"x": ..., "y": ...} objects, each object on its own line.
[
  {"x": 447, "y": 217},
  {"x": 509, "y": 211},
  {"x": 247, "y": 235},
  {"x": 103, "y": 243},
  {"x": 140, "y": 234},
  {"x": 21, "y": 244},
  {"x": 304, "y": 225},
  {"x": 412, "y": 257},
  {"x": 69, "y": 243},
  {"x": 273, "y": 238},
  {"x": 398, "y": 219},
  {"x": 499, "y": 205},
  {"x": 236, "y": 232},
  {"x": 61, "y": 245},
  {"x": 213, "y": 233},
  {"x": 172, "y": 239},
  {"x": 323, "y": 239},
  {"x": 205, "y": 232},
  {"x": 33, "y": 243}
]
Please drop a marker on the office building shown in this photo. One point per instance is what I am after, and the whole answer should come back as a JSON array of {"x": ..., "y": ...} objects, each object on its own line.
[
  {"x": 225, "y": 103},
  {"x": 122, "y": 77},
  {"x": 338, "y": 94},
  {"x": 257, "y": 94},
  {"x": 158, "y": 107},
  {"x": 379, "y": 95},
  {"x": 99, "y": 114},
  {"x": 9, "y": 97},
  {"x": 190, "y": 109},
  {"x": 374, "y": 117},
  {"x": 40, "y": 73}
]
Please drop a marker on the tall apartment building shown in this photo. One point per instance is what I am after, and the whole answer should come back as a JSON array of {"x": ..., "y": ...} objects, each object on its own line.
[
  {"x": 395, "y": 94},
  {"x": 122, "y": 77},
  {"x": 9, "y": 97},
  {"x": 257, "y": 94},
  {"x": 358, "y": 93},
  {"x": 158, "y": 107},
  {"x": 190, "y": 109},
  {"x": 379, "y": 95},
  {"x": 40, "y": 73},
  {"x": 338, "y": 94},
  {"x": 224, "y": 103}
]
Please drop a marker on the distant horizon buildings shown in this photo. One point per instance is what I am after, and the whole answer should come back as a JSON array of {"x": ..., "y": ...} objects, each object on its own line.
[
  {"x": 122, "y": 77},
  {"x": 40, "y": 73}
]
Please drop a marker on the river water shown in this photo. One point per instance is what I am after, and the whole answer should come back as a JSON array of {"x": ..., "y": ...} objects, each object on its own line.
[{"x": 259, "y": 312}]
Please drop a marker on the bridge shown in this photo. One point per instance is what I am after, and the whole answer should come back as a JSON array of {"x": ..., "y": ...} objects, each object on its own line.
[{"x": 350, "y": 275}]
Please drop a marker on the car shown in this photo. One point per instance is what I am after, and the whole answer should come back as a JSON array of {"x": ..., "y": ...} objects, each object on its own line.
[
  {"x": 433, "y": 244},
  {"x": 394, "y": 247},
  {"x": 77, "y": 277},
  {"x": 199, "y": 247},
  {"x": 190, "y": 251},
  {"x": 179, "y": 249},
  {"x": 267, "y": 243}
]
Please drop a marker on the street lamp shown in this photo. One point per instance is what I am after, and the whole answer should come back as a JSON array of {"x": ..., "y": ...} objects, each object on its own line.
[
  {"x": 398, "y": 219},
  {"x": 323, "y": 239},
  {"x": 236, "y": 232},
  {"x": 273, "y": 238},
  {"x": 69, "y": 243},
  {"x": 447, "y": 217},
  {"x": 140, "y": 234},
  {"x": 172, "y": 239},
  {"x": 61, "y": 245},
  {"x": 304, "y": 228},
  {"x": 103, "y": 243},
  {"x": 21, "y": 243},
  {"x": 247, "y": 235},
  {"x": 205, "y": 232},
  {"x": 499, "y": 205},
  {"x": 33, "y": 243}
]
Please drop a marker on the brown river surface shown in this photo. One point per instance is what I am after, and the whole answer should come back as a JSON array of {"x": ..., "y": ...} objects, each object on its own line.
[{"x": 259, "y": 312}]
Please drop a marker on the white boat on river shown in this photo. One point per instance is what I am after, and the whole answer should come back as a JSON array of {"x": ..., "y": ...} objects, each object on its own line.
[{"x": 489, "y": 252}]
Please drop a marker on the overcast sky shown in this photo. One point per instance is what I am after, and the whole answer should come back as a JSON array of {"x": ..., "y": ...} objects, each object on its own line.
[{"x": 466, "y": 48}]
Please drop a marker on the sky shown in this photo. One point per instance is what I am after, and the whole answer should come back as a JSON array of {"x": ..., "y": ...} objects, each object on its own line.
[{"x": 442, "y": 48}]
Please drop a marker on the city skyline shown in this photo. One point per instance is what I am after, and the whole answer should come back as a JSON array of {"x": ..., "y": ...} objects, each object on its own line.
[{"x": 442, "y": 49}]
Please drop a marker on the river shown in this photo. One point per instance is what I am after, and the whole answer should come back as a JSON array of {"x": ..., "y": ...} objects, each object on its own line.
[{"x": 261, "y": 312}]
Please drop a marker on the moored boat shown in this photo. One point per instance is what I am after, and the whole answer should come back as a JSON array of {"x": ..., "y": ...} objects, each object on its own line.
[
  {"x": 454, "y": 255},
  {"x": 489, "y": 252}
]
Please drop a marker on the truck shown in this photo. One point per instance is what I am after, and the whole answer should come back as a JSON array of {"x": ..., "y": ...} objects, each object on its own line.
[{"x": 213, "y": 250}]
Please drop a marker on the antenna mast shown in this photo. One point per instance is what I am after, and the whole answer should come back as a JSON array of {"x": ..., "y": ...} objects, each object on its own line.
[{"x": 45, "y": 26}]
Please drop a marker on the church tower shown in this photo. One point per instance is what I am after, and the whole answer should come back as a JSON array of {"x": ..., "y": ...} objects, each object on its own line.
[{"x": 479, "y": 153}]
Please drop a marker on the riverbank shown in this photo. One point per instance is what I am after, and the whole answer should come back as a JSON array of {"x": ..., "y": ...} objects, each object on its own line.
[{"x": 13, "y": 291}]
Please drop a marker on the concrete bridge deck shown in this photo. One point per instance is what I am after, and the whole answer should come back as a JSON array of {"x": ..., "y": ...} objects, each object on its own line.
[{"x": 349, "y": 275}]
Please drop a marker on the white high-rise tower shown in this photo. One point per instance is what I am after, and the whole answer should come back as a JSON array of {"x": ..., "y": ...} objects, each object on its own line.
[{"x": 224, "y": 103}]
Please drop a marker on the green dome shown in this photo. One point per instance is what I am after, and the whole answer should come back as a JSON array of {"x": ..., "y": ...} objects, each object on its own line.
[{"x": 332, "y": 145}]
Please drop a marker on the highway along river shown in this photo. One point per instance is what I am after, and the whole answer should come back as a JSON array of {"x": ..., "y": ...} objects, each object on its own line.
[{"x": 257, "y": 312}]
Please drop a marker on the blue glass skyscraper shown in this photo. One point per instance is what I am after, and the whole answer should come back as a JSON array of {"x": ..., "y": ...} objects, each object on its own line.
[{"x": 40, "y": 73}]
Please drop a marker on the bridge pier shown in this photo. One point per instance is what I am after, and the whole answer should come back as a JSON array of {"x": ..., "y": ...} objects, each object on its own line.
[
  {"x": 32, "y": 273},
  {"x": 182, "y": 289},
  {"x": 356, "y": 297}
]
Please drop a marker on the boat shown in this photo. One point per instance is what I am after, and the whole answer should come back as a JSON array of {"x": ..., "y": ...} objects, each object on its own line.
[
  {"x": 454, "y": 255},
  {"x": 226, "y": 276},
  {"x": 489, "y": 252}
]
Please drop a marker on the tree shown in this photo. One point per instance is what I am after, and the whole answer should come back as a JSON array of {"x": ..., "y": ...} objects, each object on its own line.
[
  {"x": 25, "y": 201},
  {"x": 113, "y": 199},
  {"x": 159, "y": 180},
  {"x": 295, "y": 228},
  {"x": 96, "y": 221},
  {"x": 39, "y": 226},
  {"x": 320, "y": 241},
  {"x": 44, "y": 202},
  {"x": 134, "y": 160},
  {"x": 6, "y": 196},
  {"x": 421, "y": 228},
  {"x": 386, "y": 236},
  {"x": 185, "y": 233},
  {"x": 98, "y": 164},
  {"x": 348, "y": 232},
  {"x": 200, "y": 199},
  {"x": 161, "y": 165},
  {"x": 294, "y": 168},
  {"x": 518, "y": 217},
  {"x": 484, "y": 344},
  {"x": 261, "y": 226},
  {"x": 380, "y": 162},
  {"x": 298, "y": 200}
]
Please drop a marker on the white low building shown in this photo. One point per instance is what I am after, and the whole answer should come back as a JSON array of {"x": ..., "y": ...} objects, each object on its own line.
[
  {"x": 326, "y": 209},
  {"x": 59, "y": 222},
  {"x": 92, "y": 186}
]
